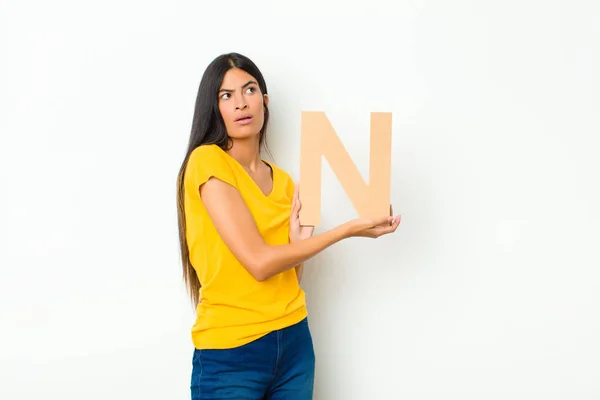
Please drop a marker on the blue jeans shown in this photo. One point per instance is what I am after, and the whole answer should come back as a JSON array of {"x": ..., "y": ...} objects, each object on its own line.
[{"x": 278, "y": 366}]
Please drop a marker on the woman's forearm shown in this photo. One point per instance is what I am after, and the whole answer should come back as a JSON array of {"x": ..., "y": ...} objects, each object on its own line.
[{"x": 273, "y": 260}]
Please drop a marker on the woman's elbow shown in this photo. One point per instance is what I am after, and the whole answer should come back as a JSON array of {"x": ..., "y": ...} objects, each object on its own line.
[
  {"x": 257, "y": 266},
  {"x": 260, "y": 276},
  {"x": 255, "y": 270}
]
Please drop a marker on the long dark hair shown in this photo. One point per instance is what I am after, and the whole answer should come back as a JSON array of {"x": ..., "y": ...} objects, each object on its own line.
[{"x": 208, "y": 127}]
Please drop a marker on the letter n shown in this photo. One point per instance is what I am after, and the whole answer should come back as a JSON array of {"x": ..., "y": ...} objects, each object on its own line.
[{"x": 319, "y": 140}]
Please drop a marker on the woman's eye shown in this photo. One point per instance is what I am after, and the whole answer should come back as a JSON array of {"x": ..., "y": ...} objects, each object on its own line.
[
  {"x": 250, "y": 90},
  {"x": 225, "y": 96}
]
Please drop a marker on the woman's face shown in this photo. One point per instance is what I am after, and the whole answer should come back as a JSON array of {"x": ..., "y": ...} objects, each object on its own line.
[{"x": 241, "y": 104}]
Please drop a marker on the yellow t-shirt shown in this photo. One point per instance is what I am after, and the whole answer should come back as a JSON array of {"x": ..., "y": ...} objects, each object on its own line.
[{"x": 235, "y": 308}]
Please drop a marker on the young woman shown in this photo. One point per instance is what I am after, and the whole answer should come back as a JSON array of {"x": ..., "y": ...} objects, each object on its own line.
[{"x": 243, "y": 246}]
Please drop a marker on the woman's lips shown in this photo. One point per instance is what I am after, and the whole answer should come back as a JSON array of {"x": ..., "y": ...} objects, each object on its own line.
[{"x": 244, "y": 121}]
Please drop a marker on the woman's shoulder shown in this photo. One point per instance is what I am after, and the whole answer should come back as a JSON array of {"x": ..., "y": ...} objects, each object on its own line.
[
  {"x": 208, "y": 156},
  {"x": 208, "y": 160},
  {"x": 207, "y": 150}
]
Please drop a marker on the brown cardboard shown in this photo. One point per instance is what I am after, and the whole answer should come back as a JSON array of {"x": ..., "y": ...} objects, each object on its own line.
[{"x": 318, "y": 140}]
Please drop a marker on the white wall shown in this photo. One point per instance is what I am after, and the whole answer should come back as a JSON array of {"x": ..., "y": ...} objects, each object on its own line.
[{"x": 490, "y": 288}]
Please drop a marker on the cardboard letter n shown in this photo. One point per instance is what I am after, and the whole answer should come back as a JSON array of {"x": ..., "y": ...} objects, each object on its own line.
[{"x": 319, "y": 140}]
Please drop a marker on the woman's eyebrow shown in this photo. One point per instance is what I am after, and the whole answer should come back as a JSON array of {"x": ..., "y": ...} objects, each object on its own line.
[{"x": 243, "y": 86}]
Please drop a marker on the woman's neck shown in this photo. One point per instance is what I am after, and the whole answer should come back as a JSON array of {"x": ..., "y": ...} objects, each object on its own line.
[{"x": 247, "y": 153}]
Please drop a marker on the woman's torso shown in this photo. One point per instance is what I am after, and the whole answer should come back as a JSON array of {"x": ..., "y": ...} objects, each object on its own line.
[{"x": 234, "y": 307}]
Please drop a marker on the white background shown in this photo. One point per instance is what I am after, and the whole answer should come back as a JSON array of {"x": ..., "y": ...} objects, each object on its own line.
[{"x": 490, "y": 287}]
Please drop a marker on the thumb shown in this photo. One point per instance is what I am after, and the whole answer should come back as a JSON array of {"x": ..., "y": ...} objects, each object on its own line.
[{"x": 294, "y": 197}]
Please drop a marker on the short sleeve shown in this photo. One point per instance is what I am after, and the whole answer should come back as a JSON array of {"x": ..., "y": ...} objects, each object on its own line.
[{"x": 207, "y": 161}]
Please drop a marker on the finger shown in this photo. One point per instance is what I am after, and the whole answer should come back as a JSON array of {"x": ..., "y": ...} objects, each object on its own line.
[
  {"x": 383, "y": 221},
  {"x": 297, "y": 204},
  {"x": 385, "y": 229},
  {"x": 393, "y": 226},
  {"x": 293, "y": 209}
]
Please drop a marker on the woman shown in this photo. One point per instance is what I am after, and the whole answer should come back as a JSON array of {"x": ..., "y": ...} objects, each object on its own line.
[{"x": 243, "y": 246}]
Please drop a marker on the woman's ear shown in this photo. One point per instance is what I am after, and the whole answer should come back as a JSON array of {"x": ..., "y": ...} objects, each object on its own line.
[{"x": 266, "y": 99}]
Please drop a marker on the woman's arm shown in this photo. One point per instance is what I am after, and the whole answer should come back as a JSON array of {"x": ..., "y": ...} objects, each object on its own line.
[{"x": 235, "y": 224}]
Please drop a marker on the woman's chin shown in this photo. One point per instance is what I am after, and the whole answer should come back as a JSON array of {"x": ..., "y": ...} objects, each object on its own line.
[{"x": 245, "y": 133}]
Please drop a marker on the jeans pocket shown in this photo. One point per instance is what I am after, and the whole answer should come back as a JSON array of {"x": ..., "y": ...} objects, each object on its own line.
[{"x": 197, "y": 363}]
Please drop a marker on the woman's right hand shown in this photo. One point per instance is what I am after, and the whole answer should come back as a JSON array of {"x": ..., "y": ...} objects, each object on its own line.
[{"x": 374, "y": 227}]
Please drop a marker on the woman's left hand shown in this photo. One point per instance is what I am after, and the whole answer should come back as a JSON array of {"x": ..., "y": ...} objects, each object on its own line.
[{"x": 297, "y": 231}]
